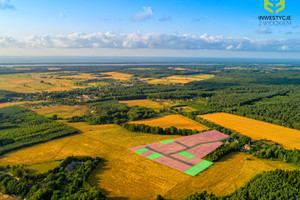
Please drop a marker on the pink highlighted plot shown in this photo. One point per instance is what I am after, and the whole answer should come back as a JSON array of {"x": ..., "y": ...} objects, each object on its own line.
[
  {"x": 208, "y": 136},
  {"x": 204, "y": 149},
  {"x": 166, "y": 148},
  {"x": 193, "y": 161},
  {"x": 183, "y": 154},
  {"x": 173, "y": 163}
]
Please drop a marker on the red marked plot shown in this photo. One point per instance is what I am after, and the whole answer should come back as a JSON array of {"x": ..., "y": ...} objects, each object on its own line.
[
  {"x": 194, "y": 161},
  {"x": 166, "y": 148},
  {"x": 208, "y": 136},
  {"x": 136, "y": 148},
  {"x": 173, "y": 163},
  {"x": 147, "y": 153},
  {"x": 204, "y": 149}
]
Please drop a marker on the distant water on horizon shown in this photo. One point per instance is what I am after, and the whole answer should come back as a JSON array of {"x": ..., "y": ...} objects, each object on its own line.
[{"x": 109, "y": 60}]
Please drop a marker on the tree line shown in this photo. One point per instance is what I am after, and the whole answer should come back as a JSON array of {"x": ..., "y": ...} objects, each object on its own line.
[
  {"x": 142, "y": 128},
  {"x": 57, "y": 184},
  {"x": 20, "y": 127}
]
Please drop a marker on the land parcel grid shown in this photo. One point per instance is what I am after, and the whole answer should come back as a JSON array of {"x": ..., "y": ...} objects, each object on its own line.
[{"x": 184, "y": 154}]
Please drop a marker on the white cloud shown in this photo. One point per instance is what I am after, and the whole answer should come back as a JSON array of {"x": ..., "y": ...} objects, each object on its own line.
[
  {"x": 153, "y": 41},
  {"x": 264, "y": 30},
  {"x": 144, "y": 15},
  {"x": 9, "y": 42},
  {"x": 5, "y": 4}
]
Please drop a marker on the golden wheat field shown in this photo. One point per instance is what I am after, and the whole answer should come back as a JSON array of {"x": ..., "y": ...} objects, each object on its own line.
[
  {"x": 118, "y": 76},
  {"x": 142, "y": 102},
  {"x": 2, "y": 105},
  {"x": 123, "y": 168},
  {"x": 290, "y": 138},
  {"x": 177, "y": 121},
  {"x": 37, "y": 82},
  {"x": 179, "y": 79},
  {"x": 62, "y": 111}
]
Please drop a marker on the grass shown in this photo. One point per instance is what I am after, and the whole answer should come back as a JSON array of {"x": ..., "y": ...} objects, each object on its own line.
[
  {"x": 118, "y": 76},
  {"x": 179, "y": 79},
  {"x": 142, "y": 102},
  {"x": 44, "y": 167},
  {"x": 290, "y": 138},
  {"x": 186, "y": 154},
  {"x": 130, "y": 176},
  {"x": 177, "y": 121},
  {"x": 62, "y": 111},
  {"x": 154, "y": 156},
  {"x": 193, "y": 171},
  {"x": 142, "y": 150}
]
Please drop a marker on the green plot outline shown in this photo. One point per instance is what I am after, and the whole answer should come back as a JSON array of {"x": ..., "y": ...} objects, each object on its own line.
[
  {"x": 186, "y": 154},
  {"x": 142, "y": 150},
  {"x": 154, "y": 156},
  {"x": 167, "y": 141},
  {"x": 193, "y": 171}
]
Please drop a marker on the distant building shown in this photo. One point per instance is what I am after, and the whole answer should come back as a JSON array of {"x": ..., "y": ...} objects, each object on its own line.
[
  {"x": 70, "y": 167},
  {"x": 247, "y": 147}
]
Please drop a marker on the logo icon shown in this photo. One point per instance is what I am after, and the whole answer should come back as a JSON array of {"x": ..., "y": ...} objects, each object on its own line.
[{"x": 274, "y": 5}]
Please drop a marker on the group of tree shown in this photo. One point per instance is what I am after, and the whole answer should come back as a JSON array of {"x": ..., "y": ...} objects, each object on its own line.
[
  {"x": 57, "y": 184},
  {"x": 142, "y": 128},
  {"x": 20, "y": 127},
  {"x": 113, "y": 112}
]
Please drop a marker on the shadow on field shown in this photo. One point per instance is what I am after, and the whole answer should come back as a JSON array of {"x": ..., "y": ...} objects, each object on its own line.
[
  {"x": 95, "y": 179},
  {"x": 227, "y": 157}
]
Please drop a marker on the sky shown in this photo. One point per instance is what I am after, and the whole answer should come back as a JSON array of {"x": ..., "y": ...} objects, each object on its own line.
[{"x": 185, "y": 28}]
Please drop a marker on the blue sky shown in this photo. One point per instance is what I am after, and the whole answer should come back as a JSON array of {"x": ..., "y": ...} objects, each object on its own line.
[{"x": 207, "y": 28}]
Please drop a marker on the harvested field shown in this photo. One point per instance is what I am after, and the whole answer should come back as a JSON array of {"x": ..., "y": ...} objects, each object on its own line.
[
  {"x": 177, "y": 121},
  {"x": 223, "y": 177},
  {"x": 38, "y": 82},
  {"x": 2, "y": 105},
  {"x": 142, "y": 102},
  {"x": 179, "y": 79},
  {"x": 62, "y": 111},
  {"x": 118, "y": 76},
  {"x": 146, "y": 178},
  {"x": 290, "y": 138}
]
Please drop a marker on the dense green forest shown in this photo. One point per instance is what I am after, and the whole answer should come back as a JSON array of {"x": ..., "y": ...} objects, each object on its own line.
[
  {"x": 278, "y": 184},
  {"x": 67, "y": 181},
  {"x": 20, "y": 127}
]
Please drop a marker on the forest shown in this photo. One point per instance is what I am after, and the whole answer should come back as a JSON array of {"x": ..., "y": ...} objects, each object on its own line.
[
  {"x": 63, "y": 182},
  {"x": 113, "y": 112},
  {"x": 20, "y": 127}
]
